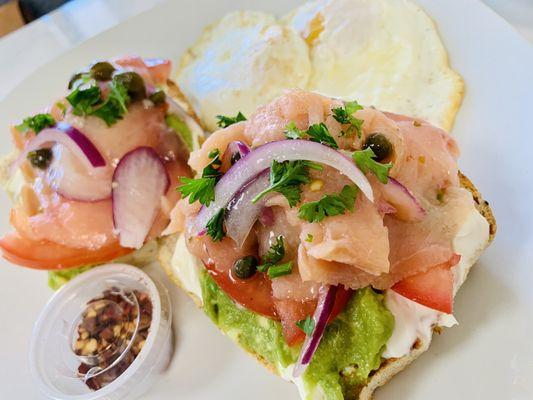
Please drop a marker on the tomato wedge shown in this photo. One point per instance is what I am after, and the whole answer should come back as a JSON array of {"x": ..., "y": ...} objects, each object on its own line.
[
  {"x": 433, "y": 288},
  {"x": 292, "y": 311},
  {"x": 50, "y": 256},
  {"x": 254, "y": 294}
]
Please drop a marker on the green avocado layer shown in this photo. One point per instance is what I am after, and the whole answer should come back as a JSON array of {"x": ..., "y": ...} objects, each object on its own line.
[{"x": 349, "y": 351}]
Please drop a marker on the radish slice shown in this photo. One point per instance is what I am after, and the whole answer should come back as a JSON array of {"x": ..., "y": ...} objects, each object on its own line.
[
  {"x": 407, "y": 207},
  {"x": 248, "y": 167},
  {"x": 139, "y": 182},
  {"x": 326, "y": 300},
  {"x": 242, "y": 212},
  {"x": 68, "y": 136},
  {"x": 67, "y": 176}
]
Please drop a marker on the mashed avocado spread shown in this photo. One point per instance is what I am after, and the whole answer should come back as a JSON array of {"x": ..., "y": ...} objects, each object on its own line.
[{"x": 350, "y": 349}]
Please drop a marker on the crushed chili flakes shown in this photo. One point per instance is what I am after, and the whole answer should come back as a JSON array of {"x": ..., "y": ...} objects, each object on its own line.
[{"x": 107, "y": 342}]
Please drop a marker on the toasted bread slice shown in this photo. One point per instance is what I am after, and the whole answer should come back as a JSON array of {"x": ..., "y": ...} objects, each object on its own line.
[{"x": 389, "y": 367}]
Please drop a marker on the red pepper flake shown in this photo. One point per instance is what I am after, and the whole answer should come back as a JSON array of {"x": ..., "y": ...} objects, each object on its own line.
[{"x": 106, "y": 329}]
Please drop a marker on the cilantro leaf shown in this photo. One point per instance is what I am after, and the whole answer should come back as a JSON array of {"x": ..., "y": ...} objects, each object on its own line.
[
  {"x": 224, "y": 121},
  {"x": 275, "y": 271},
  {"x": 317, "y": 133},
  {"x": 344, "y": 115},
  {"x": 273, "y": 256},
  {"x": 307, "y": 325},
  {"x": 292, "y": 131},
  {"x": 215, "y": 226},
  {"x": 36, "y": 123},
  {"x": 203, "y": 189},
  {"x": 366, "y": 163},
  {"x": 83, "y": 101},
  {"x": 320, "y": 133},
  {"x": 287, "y": 177},
  {"x": 329, "y": 205}
]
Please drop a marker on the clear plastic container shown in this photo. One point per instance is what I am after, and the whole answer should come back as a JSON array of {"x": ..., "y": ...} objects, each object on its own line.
[{"x": 55, "y": 359}]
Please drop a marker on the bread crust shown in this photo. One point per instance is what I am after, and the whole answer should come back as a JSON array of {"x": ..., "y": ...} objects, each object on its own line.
[{"x": 389, "y": 367}]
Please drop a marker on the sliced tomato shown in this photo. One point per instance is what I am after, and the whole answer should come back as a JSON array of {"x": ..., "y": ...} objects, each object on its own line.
[
  {"x": 254, "y": 294},
  {"x": 49, "y": 255},
  {"x": 433, "y": 288},
  {"x": 292, "y": 311}
]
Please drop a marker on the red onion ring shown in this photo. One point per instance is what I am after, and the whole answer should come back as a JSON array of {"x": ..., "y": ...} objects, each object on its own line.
[
  {"x": 250, "y": 166},
  {"x": 326, "y": 300},
  {"x": 407, "y": 207},
  {"x": 71, "y": 138}
]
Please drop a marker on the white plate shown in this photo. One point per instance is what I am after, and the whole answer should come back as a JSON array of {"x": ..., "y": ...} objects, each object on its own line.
[{"x": 488, "y": 356}]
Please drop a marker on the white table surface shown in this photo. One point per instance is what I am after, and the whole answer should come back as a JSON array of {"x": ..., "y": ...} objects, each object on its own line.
[{"x": 32, "y": 46}]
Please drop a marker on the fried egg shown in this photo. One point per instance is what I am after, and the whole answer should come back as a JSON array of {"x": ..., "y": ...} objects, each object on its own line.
[
  {"x": 244, "y": 60},
  {"x": 382, "y": 53},
  {"x": 385, "y": 53}
]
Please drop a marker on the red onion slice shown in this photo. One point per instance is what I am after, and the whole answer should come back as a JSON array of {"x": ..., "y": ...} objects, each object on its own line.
[
  {"x": 71, "y": 138},
  {"x": 248, "y": 167},
  {"x": 242, "y": 212},
  {"x": 139, "y": 182},
  {"x": 407, "y": 207},
  {"x": 326, "y": 300},
  {"x": 68, "y": 176}
]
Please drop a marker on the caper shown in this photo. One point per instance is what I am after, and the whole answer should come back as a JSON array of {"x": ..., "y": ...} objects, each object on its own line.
[
  {"x": 235, "y": 157},
  {"x": 133, "y": 83},
  {"x": 245, "y": 268},
  {"x": 102, "y": 71},
  {"x": 158, "y": 97},
  {"x": 380, "y": 145},
  {"x": 73, "y": 79},
  {"x": 40, "y": 158}
]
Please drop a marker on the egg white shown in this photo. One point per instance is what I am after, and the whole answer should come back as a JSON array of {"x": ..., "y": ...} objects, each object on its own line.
[
  {"x": 243, "y": 60},
  {"x": 385, "y": 53}
]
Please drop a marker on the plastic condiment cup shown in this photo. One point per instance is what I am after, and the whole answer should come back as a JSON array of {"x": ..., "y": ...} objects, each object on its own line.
[{"x": 53, "y": 362}]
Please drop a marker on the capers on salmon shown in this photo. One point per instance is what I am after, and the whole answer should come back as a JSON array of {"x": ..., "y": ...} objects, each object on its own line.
[
  {"x": 40, "y": 158},
  {"x": 245, "y": 267},
  {"x": 133, "y": 83},
  {"x": 158, "y": 97},
  {"x": 102, "y": 71},
  {"x": 380, "y": 145}
]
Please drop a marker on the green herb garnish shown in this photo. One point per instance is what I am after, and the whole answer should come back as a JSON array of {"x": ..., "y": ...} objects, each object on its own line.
[
  {"x": 344, "y": 115},
  {"x": 309, "y": 238},
  {"x": 84, "y": 101},
  {"x": 287, "y": 177},
  {"x": 292, "y": 131},
  {"x": 329, "y": 205},
  {"x": 36, "y": 123},
  {"x": 273, "y": 256},
  {"x": 215, "y": 226},
  {"x": 224, "y": 121},
  {"x": 175, "y": 123},
  {"x": 203, "y": 189},
  {"x": 317, "y": 133},
  {"x": 306, "y": 325},
  {"x": 366, "y": 163},
  {"x": 275, "y": 271}
]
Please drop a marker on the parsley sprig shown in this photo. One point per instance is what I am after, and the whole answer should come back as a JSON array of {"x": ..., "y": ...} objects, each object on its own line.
[
  {"x": 307, "y": 325},
  {"x": 273, "y": 256},
  {"x": 36, "y": 123},
  {"x": 329, "y": 205},
  {"x": 86, "y": 101},
  {"x": 203, "y": 189},
  {"x": 215, "y": 226},
  {"x": 344, "y": 115},
  {"x": 287, "y": 177},
  {"x": 270, "y": 261},
  {"x": 366, "y": 163},
  {"x": 225, "y": 121},
  {"x": 317, "y": 133}
]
